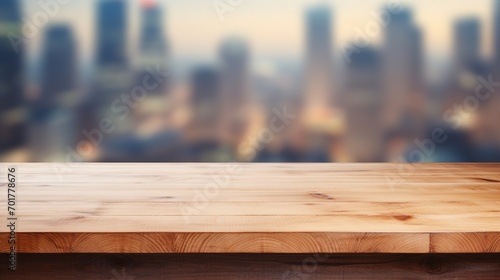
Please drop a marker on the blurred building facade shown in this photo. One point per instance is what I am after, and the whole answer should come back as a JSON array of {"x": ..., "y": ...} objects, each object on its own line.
[
  {"x": 318, "y": 94},
  {"x": 234, "y": 99},
  {"x": 402, "y": 69},
  {"x": 493, "y": 112},
  {"x": 205, "y": 94},
  {"x": 496, "y": 39},
  {"x": 12, "y": 109},
  {"x": 152, "y": 61},
  {"x": 113, "y": 76},
  {"x": 153, "y": 49},
  {"x": 59, "y": 67},
  {"x": 467, "y": 41},
  {"x": 53, "y": 115},
  {"x": 363, "y": 101}
]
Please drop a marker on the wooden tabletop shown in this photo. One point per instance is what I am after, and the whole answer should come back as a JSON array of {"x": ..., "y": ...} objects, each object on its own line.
[{"x": 252, "y": 208}]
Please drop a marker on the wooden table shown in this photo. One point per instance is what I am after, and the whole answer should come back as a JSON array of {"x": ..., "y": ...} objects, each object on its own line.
[{"x": 346, "y": 220}]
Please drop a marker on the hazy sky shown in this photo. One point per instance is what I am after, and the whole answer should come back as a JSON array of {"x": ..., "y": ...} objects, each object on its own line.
[{"x": 272, "y": 26}]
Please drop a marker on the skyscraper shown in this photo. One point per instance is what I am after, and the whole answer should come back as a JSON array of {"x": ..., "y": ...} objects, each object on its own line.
[
  {"x": 467, "y": 61},
  {"x": 59, "y": 66},
  {"x": 467, "y": 43},
  {"x": 152, "y": 57},
  {"x": 112, "y": 33},
  {"x": 402, "y": 69},
  {"x": 205, "y": 93},
  {"x": 152, "y": 44},
  {"x": 53, "y": 122},
  {"x": 495, "y": 100},
  {"x": 112, "y": 76},
  {"x": 319, "y": 63},
  {"x": 496, "y": 40},
  {"x": 152, "y": 38},
  {"x": 363, "y": 102},
  {"x": 12, "y": 109},
  {"x": 234, "y": 98}
]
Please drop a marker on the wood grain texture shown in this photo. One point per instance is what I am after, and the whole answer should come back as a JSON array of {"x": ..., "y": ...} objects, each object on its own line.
[
  {"x": 481, "y": 242},
  {"x": 254, "y": 208},
  {"x": 220, "y": 242},
  {"x": 255, "y": 266}
]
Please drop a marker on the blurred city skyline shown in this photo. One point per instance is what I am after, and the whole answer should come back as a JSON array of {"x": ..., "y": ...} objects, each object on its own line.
[
  {"x": 273, "y": 29},
  {"x": 270, "y": 27},
  {"x": 145, "y": 80}
]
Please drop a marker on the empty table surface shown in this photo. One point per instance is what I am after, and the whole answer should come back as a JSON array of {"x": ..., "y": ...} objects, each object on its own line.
[{"x": 252, "y": 207}]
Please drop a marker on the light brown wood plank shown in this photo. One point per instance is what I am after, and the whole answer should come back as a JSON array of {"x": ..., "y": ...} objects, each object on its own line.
[
  {"x": 257, "y": 242},
  {"x": 479, "y": 242},
  {"x": 335, "y": 223},
  {"x": 290, "y": 208}
]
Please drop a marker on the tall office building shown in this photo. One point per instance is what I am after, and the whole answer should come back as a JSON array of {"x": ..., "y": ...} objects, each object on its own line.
[
  {"x": 152, "y": 57},
  {"x": 402, "y": 69},
  {"x": 234, "y": 99},
  {"x": 59, "y": 67},
  {"x": 467, "y": 61},
  {"x": 467, "y": 43},
  {"x": 112, "y": 33},
  {"x": 53, "y": 119},
  {"x": 12, "y": 109},
  {"x": 495, "y": 103},
  {"x": 111, "y": 48},
  {"x": 496, "y": 40},
  {"x": 112, "y": 75},
  {"x": 363, "y": 102},
  {"x": 152, "y": 37},
  {"x": 152, "y": 44},
  {"x": 205, "y": 93},
  {"x": 319, "y": 62}
]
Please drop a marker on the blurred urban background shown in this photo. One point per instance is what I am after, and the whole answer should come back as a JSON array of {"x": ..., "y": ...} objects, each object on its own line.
[{"x": 265, "y": 81}]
